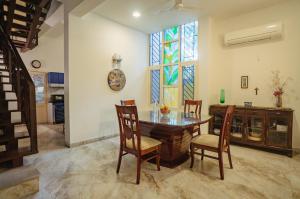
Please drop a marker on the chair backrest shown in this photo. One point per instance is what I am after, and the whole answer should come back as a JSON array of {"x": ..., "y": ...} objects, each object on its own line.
[
  {"x": 129, "y": 128},
  {"x": 224, "y": 140},
  {"x": 130, "y": 102},
  {"x": 195, "y": 104}
]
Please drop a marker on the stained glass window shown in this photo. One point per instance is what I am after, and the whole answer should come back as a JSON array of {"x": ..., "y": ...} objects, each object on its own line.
[
  {"x": 172, "y": 34},
  {"x": 188, "y": 82},
  {"x": 171, "y": 96},
  {"x": 170, "y": 75},
  {"x": 171, "y": 51},
  {"x": 155, "y": 86},
  {"x": 189, "y": 42},
  {"x": 155, "y": 48}
]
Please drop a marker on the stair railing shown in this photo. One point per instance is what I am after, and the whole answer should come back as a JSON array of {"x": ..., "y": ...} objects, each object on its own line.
[{"x": 22, "y": 85}]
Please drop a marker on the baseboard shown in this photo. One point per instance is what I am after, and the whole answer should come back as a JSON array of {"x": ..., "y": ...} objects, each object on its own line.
[
  {"x": 296, "y": 150},
  {"x": 76, "y": 144}
]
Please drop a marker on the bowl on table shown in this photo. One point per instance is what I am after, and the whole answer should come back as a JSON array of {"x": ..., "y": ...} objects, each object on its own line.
[{"x": 164, "y": 110}]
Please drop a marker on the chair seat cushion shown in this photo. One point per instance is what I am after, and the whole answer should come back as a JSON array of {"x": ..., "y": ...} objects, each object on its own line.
[
  {"x": 146, "y": 143},
  {"x": 206, "y": 140}
]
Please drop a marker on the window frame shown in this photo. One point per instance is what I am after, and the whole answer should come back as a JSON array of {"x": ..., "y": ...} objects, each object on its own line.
[{"x": 180, "y": 64}]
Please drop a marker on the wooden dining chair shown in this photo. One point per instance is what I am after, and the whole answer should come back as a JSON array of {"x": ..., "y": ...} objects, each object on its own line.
[
  {"x": 130, "y": 102},
  {"x": 214, "y": 143},
  {"x": 131, "y": 142},
  {"x": 194, "y": 107}
]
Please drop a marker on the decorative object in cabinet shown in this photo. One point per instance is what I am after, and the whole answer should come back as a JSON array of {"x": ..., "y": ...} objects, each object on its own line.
[
  {"x": 237, "y": 127},
  {"x": 255, "y": 126},
  {"x": 278, "y": 127}
]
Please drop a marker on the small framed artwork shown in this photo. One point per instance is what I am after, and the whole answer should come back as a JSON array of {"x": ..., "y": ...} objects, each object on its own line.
[{"x": 244, "y": 82}]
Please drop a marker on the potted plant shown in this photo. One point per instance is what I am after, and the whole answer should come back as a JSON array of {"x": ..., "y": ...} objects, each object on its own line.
[{"x": 278, "y": 88}]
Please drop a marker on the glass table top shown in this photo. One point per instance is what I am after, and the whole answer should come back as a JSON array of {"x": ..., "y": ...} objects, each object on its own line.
[{"x": 174, "y": 118}]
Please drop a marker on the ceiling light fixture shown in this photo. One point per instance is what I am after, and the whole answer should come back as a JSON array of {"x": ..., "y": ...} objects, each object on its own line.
[{"x": 136, "y": 14}]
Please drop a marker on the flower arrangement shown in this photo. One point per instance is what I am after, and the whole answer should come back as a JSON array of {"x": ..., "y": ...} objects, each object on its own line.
[
  {"x": 278, "y": 92},
  {"x": 278, "y": 87}
]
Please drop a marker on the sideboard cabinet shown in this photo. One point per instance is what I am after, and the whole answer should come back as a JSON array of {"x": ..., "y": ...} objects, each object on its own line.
[{"x": 260, "y": 127}]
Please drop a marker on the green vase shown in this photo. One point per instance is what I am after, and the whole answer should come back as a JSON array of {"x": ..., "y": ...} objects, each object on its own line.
[{"x": 222, "y": 96}]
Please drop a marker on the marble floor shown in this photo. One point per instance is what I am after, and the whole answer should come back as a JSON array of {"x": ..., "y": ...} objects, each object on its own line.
[
  {"x": 88, "y": 171},
  {"x": 50, "y": 137}
]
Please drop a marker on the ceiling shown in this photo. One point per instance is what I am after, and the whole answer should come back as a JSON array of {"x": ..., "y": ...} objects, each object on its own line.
[{"x": 151, "y": 20}]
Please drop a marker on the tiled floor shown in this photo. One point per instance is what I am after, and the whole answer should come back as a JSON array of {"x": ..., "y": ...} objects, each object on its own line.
[{"x": 88, "y": 171}]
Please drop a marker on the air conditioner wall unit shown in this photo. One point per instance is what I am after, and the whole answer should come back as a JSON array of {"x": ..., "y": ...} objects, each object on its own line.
[{"x": 269, "y": 31}]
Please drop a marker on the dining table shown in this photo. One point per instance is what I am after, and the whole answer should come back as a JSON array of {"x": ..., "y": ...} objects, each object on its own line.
[{"x": 174, "y": 130}]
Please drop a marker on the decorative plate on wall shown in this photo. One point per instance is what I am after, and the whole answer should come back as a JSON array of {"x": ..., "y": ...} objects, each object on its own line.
[{"x": 116, "y": 79}]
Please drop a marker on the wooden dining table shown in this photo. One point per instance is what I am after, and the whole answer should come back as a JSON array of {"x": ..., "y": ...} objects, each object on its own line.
[{"x": 174, "y": 130}]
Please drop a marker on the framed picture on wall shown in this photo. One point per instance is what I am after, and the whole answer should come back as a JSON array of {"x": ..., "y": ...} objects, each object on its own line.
[{"x": 244, "y": 82}]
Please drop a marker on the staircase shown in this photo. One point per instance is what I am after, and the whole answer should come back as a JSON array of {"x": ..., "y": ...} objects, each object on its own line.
[
  {"x": 17, "y": 104},
  {"x": 20, "y": 21}
]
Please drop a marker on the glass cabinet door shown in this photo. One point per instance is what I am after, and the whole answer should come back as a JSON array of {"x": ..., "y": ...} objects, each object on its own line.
[
  {"x": 218, "y": 123},
  {"x": 255, "y": 128},
  {"x": 237, "y": 127},
  {"x": 277, "y": 134}
]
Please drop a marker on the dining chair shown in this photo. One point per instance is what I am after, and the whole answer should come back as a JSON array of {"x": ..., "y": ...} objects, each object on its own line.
[
  {"x": 194, "y": 107},
  {"x": 215, "y": 143},
  {"x": 130, "y": 102},
  {"x": 131, "y": 142}
]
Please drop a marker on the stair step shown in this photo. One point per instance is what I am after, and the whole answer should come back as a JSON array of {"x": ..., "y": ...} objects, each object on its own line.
[
  {"x": 2, "y": 147},
  {"x": 10, "y": 117},
  {"x": 23, "y": 180},
  {"x": 21, "y": 132},
  {"x": 12, "y": 105},
  {"x": 10, "y": 155},
  {"x": 8, "y": 105},
  {"x": 10, "y": 96},
  {"x": 16, "y": 117},
  {"x": 5, "y": 80},
  {"x": 7, "y": 87},
  {"x": 4, "y": 73},
  {"x": 3, "y": 67}
]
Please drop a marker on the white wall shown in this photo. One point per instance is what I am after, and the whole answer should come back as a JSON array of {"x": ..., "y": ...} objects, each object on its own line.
[
  {"x": 228, "y": 64},
  {"x": 92, "y": 41},
  {"x": 50, "y": 52}
]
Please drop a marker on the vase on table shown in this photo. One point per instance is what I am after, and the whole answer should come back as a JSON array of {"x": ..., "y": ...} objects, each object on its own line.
[
  {"x": 222, "y": 96},
  {"x": 279, "y": 101}
]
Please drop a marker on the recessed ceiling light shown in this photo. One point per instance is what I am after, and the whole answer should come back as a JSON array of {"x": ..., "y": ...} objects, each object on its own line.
[{"x": 136, "y": 14}]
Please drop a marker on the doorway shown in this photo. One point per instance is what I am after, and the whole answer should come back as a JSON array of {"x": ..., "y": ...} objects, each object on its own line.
[{"x": 41, "y": 92}]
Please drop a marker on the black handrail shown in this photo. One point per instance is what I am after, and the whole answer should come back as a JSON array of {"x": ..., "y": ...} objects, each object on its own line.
[
  {"x": 16, "y": 55},
  {"x": 23, "y": 86}
]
